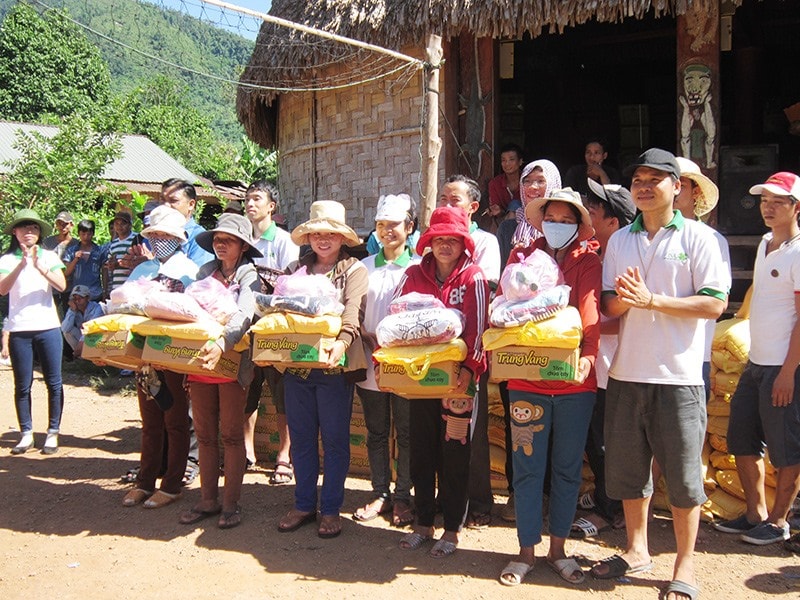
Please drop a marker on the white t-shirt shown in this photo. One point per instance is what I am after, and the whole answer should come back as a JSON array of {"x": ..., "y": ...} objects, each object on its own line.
[
  {"x": 683, "y": 259},
  {"x": 30, "y": 301},
  {"x": 776, "y": 280},
  {"x": 383, "y": 280},
  {"x": 277, "y": 247},
  {"x": 487, "y": 253}
]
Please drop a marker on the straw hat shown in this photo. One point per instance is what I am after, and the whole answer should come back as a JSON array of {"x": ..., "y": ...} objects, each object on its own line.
[
  {"x": 534, "y": 211},
  {"x": 29, "y": 215},
  {"x": 326, "y": 216},
  {"x": 236, "y": 225},
  {"x": 166, "y": 220},
  {"x": 707, "y": 199}
]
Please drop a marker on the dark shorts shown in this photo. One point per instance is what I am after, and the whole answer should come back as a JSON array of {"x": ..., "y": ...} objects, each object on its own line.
[
  {"x": 755, "y": 422},
  {"x": 274, "y": 380},
  {"x": 646, "y": 420}
]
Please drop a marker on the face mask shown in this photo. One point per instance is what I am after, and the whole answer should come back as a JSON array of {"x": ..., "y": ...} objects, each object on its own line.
[
  {"x": 559, "y": 235},
  {"x": 164, "y": 248}
]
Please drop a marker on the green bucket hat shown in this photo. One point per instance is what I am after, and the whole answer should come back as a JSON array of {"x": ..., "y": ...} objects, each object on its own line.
[{"x": 28, "y": 214}]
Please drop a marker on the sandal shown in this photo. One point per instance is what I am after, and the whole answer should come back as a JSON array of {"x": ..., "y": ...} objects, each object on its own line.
[
  {"x": 569, "y": 570},
  {"x": 130, "y": 475},
  {"x": 136, "y": 496},
  {"x": 195, "y": 515},
  {"x": 330, "y": 526},
  {"x": 477, "y": 520},
  {"x": 584, "y": 528},
  {"x": 402, "y": 514},
  {"x": 161, "y": 499},
  {"x": 793, "y": 544},
  {"x": 586, "y": 501},
  {"x": 229, "y": 520},
  {"x": 515, "y": 572},
  {"x": 284, "y": 477},
  {"x": 442, "y": 549},
  {"x": 371, "y": 510},
  {"x": 294, "y": 520},
  {"x": 617, "y": 567},
  {"x": 191, "y": 472},
  {"x": 680, "y": 588},
  {"x": 412, "y": 541}
]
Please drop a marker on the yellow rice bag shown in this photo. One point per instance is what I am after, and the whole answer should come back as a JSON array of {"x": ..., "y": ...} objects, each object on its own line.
[
  {"x": 115, "y": 322},
  {"x": 562, "y": 330},
  {"x": 418, "y": 359},
  {"x": 278, "y": 323}
]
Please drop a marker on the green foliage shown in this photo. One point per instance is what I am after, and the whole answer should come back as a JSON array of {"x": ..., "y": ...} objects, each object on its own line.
[
  {"x": 63, "y": 172},
  {"x": 254, "y": 162},
  {"x": 160, "y": 109},
  {"x": 47, "y": 66}
]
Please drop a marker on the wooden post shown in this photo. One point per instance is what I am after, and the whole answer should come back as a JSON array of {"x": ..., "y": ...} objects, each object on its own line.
[
  {"x": 698, "y": 48},
  {"x": 431, "y": 142}
]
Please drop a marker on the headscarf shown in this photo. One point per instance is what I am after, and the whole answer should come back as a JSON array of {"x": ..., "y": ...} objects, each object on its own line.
[{"x": 525, "y": 233}]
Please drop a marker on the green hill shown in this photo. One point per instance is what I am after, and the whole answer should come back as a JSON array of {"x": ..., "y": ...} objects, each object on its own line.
[{"x": 168, "y": 34}]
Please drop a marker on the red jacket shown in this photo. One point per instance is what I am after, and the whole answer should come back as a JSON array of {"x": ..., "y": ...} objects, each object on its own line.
[
  {"x": 466, "y": 289},
  {"x": 583, "y": 272}
]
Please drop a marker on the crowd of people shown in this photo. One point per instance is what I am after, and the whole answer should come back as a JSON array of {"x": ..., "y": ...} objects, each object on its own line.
[{"x": 647, "y": 277}]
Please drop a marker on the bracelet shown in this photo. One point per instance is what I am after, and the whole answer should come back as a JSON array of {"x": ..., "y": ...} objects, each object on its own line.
[{"x": 650, "y": 303}]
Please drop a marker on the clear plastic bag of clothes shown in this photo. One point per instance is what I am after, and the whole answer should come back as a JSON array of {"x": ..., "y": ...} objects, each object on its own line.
[
  {"x": 420, "y": 327},
  {"x": 535, "y": 273},
  {"x": 131, "y": 297},
  {"x": 214, "y": 297}
]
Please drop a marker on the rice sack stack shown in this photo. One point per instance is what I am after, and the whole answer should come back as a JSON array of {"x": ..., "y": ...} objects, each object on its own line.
[
  {"x": 420, "y": 351},
  {"x": 300, "y": 322},
  {"x": 534, "y": 334}
]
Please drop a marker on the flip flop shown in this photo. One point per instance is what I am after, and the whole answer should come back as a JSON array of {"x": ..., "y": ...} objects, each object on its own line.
[
  {"x": 231, "y": 519},
  {"x": 161, "y": 499},
  {"x": 325, "y": 522},
  {"x": 584, "y": 528},
  {"x": 677, "y": 586},
  {"x": 567, "y": 568},
  {"x": 279, "y": 477},
  {"x": 299, "y": 520},
  {"x": 617, "y": 567},
  {"x": 442, "y": 549},
  {"x": 517, "y": 570},
  {"x": 402, "y": 514},
  {"x": 194, "y": 515},
  {"x": 477, "y": 520},
  {"x": 368, "y": 512},
  {"x": 412, "y": 541}
]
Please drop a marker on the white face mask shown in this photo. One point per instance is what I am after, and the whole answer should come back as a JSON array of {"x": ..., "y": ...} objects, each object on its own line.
[{"x": 559, "y": 235}]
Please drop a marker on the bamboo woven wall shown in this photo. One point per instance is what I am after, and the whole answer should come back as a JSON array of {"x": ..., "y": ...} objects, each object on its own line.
[{"x": 350, "y": 145}]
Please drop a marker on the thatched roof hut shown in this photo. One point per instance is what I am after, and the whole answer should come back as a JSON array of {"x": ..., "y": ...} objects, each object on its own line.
[{"x": 305, "y": 127}]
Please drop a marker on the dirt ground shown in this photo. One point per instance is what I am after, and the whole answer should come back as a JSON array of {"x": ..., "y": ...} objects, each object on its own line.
[{"x": 65, "y": 534}]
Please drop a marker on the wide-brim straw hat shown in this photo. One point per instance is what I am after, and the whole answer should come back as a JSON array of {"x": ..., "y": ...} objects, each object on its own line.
[
  {"x": 325, "y": 216},
  {"x": 166, "y": 220},
  {"x": 534, "y": 211},
  {"x": 30, "y": 215},
  {"x": 704, "y": 202},
  {"x": 238, "y": 226}
]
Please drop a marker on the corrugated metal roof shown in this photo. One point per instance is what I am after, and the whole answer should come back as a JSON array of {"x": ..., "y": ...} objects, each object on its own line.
[{"x": 142, "y": 160}]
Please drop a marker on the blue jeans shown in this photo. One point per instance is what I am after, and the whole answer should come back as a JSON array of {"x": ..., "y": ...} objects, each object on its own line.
[
  {"x": 319, "y": 405},
  {"x": 48, "y": 345},
  {"x": 565, "y": 417},
  {"x": 380, "y": 409}
]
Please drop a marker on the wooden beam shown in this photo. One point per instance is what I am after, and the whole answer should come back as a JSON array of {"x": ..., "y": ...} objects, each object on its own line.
[{"x": 431, "y": 142}]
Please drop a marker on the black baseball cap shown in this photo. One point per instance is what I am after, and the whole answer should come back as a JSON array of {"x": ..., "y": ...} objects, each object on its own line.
[
  {"x": 618, "y": 199},
  {"x": 658, "y": 159}
]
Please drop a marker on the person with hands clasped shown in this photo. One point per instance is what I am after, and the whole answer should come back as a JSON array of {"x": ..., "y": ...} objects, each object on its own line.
[
  {"x": 447, "y": 273},
  {"x": 319, "y": 402},
  {"x": 562, "y": 410},
  {"x": 218, "y": 402},
  {"x": 663, "y": 276},
  {"x": 30, "y": 275}
]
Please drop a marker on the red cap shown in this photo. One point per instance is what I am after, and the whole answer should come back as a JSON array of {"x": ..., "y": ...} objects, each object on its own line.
[{"x": 780, "y": 184}]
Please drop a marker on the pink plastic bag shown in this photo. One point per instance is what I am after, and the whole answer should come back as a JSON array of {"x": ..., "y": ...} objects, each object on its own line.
[
  {"x": 212, "y": 295},
  {"x": 525, "y": 279},
  {"x": 175, "y": 307},
  {"x": 300, "y": 283},
  {"x": 131, "y": 297}
]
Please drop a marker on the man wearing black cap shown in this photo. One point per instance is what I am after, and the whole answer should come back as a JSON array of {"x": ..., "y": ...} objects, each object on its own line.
[{"x": 663, "y": 276}]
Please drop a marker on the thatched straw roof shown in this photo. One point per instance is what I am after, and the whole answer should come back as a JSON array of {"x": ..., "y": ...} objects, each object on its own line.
[{"x": 285, "y": 58}]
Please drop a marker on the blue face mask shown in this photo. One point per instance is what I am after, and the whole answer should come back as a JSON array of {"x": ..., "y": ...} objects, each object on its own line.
[
  {"x": 164, "y": 248},
  {"x": 559, "y": 235}
]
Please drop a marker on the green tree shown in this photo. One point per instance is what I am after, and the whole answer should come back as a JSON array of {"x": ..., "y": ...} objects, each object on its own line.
[
  {"x": 47, "y": 66},
  {"x": 161, "y": 110},
  {"x": 63, "y": 172},
  {"x": 254, "y": 162}
]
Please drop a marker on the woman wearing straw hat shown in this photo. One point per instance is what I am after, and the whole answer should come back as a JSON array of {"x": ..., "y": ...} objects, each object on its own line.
[
  {"x": 218, "y": 403},
  {"x": 165, "y": 419},
  {"x": 565, "y": 407},
  {"x": 320, "y": 401},
  {"x": 29, "y": 275}
]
